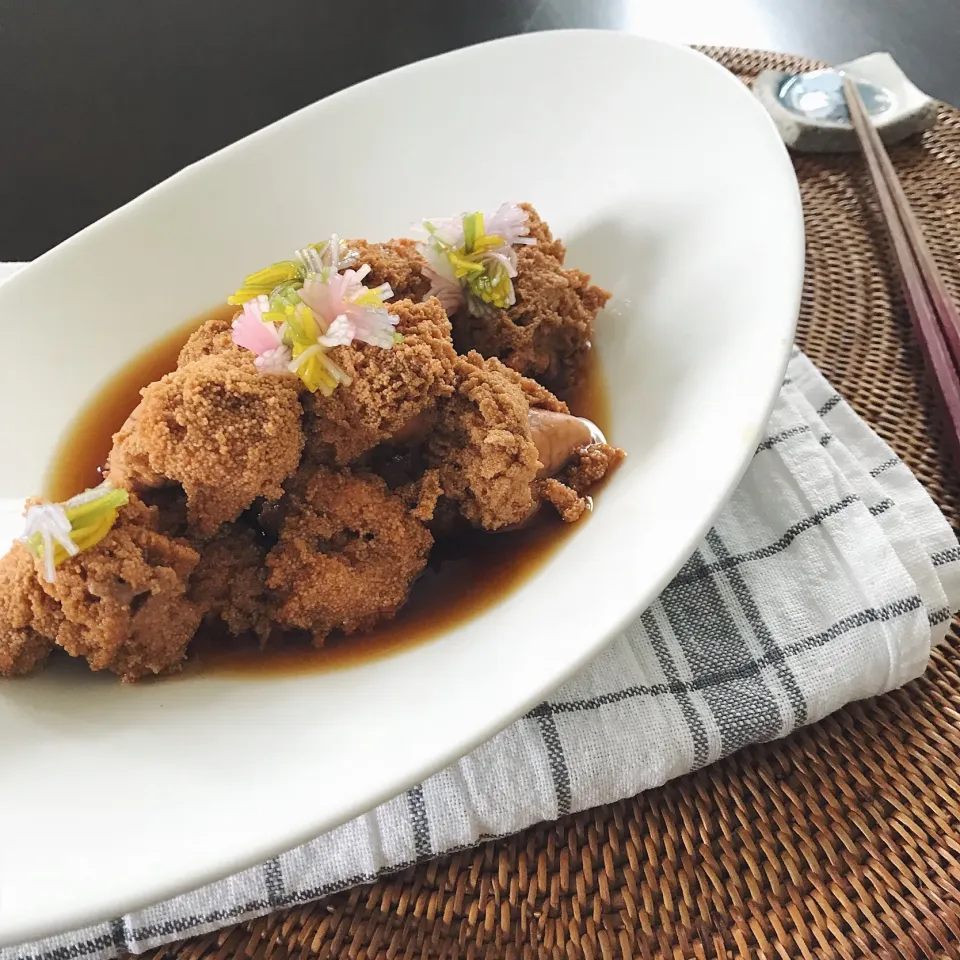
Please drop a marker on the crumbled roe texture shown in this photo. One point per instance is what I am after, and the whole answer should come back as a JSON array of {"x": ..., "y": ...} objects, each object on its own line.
[
  {"x": 393, "y": 393},
  {"x": 397, "y": 262},
  {"x": 482, "y": 447},
  {"x": 214, "y": 336},
  {"x": 121, "y": 604},
  {"x": 28, "y": 619},
  {"x": 485, "y": 454},
  {"x": 229, "y": 583},
  {"x": 265, "y": 508},
  {"x": 220, "y": 429},
  {"x": 546, "y": 333},
  {"x": 348, "y": 553}
]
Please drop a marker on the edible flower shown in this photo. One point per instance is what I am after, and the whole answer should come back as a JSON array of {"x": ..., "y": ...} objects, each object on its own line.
[
  {"x": 264, "y": 281},
  {"x": 311, "y": 308},
  {"x": 351, "y": 310},
  {"x": 253, "y": 331},
  {"x": 311, "y": 362},
  {"x": 472, "y": 260},
  {"x": 328, "y": 256},
  {"x": 55, "y": 531}
]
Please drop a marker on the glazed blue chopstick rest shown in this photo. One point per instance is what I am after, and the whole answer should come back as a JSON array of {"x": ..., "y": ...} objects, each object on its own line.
[{"x": 810, "y": 110}]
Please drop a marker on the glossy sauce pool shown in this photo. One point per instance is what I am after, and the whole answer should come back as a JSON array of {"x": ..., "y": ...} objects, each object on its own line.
[{"x": 465, "y": 576}]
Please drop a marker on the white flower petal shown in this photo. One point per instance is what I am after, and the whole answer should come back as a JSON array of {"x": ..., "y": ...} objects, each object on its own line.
[{"x": 339, "y": 334}]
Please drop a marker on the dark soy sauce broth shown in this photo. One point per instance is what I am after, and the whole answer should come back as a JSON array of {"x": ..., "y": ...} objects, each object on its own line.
[{"x": 466, "y": 574}]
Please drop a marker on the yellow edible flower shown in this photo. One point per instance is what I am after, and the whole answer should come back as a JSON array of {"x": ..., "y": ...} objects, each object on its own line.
[
  {"x": 55, "y": 531},
  {"x": 265, "y": 281}
]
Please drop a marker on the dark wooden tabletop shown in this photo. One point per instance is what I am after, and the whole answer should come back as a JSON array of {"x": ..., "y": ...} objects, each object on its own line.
[{"x": 100, "y": 99}]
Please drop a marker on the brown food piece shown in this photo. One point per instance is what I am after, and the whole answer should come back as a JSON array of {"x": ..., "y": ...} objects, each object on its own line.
[
  {"x": 393, "y": 392},
  {"x": 498, "y": 439},
  {"x": 214, "y": 449},
  {"x": 124, "y": 602},
  {"x": 447, "y": 520},
  {"x": 348, "y": 553},
  {"x": 539, "y": 230},
  {"x": 556, "y": 436},
  {"x": 423, "y": 495},
  {"x": 215, "y": 336},
  {"x": 591, "y": 464},
  {"x": 397, "y": 262},
  {"x": 586, "y": 466},
  {"x": 546, "y": 333},
  {"x": 171, "y": 505},
  {"x": 483, "y": 448},
  {"x": 565, "y": 501},
  {"x": 128, "y": 464},
  {"x": 218, "y": 427},
  {"x": 29, "y": 619},
  {"x": 229, "y": 582}
]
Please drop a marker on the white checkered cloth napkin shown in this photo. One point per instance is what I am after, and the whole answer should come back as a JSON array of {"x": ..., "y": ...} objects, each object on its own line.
[{"x": 826, "y": 579}]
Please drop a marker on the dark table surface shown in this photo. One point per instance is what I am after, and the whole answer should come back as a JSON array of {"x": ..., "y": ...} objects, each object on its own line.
[{"x": 100, "y": 99}]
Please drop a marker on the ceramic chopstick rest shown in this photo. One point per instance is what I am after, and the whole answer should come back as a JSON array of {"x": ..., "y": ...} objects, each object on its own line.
[{"x": 810, "y": 110}]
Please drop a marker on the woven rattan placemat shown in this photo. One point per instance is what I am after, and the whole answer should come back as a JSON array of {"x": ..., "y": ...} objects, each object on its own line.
[{"x": 841, "y": 841}]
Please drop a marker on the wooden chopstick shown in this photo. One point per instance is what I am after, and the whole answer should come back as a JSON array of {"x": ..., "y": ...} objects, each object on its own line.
[{"x": 935, "y": 317}]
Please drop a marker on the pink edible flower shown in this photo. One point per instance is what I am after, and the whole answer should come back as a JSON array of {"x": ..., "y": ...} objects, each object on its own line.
[
  {"x": 349, "y": 310},
  {"x": 252, "y": 332},
  {"x": 276, "y": 360},
  {"x": 510, "y": 222},
  {"x": 446, "y": 241},
  {"x": 261, "y": 337},
  {"x": 444, "y": 285}
]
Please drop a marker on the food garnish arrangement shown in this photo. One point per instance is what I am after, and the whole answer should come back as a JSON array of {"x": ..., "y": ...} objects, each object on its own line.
[{"x": 290, "y": 477}]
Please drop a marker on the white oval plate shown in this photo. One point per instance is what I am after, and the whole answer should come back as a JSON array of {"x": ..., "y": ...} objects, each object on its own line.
[{"x": 669, "y": 184}]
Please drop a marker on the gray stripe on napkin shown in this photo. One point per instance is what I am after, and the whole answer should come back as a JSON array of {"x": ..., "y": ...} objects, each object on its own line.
[
  {"x": 834, "y": 401},
  {"x": 710, "y": 647},
  {"x": 937, "y": 617},
  {"x": 885, "y": 466},
  {"x": 82, "y": 948},
  {"x": 118, "y": 932},
  {"x": 559, "y": 770},
  {"x": 946, "y": 556},
  {"x": 677, "y": 686},
  {"x": 782, "y": 436},
  {"x": 760, "y": 629},
  {"x": 680, "y": 688},
  {"x": 419, "y": 821},
  {"x": 272, "y": 872},
  {"x": 689, "y": 573}
]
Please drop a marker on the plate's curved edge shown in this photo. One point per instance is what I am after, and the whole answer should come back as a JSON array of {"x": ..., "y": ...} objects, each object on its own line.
[{"x": 11, "y": 935}]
